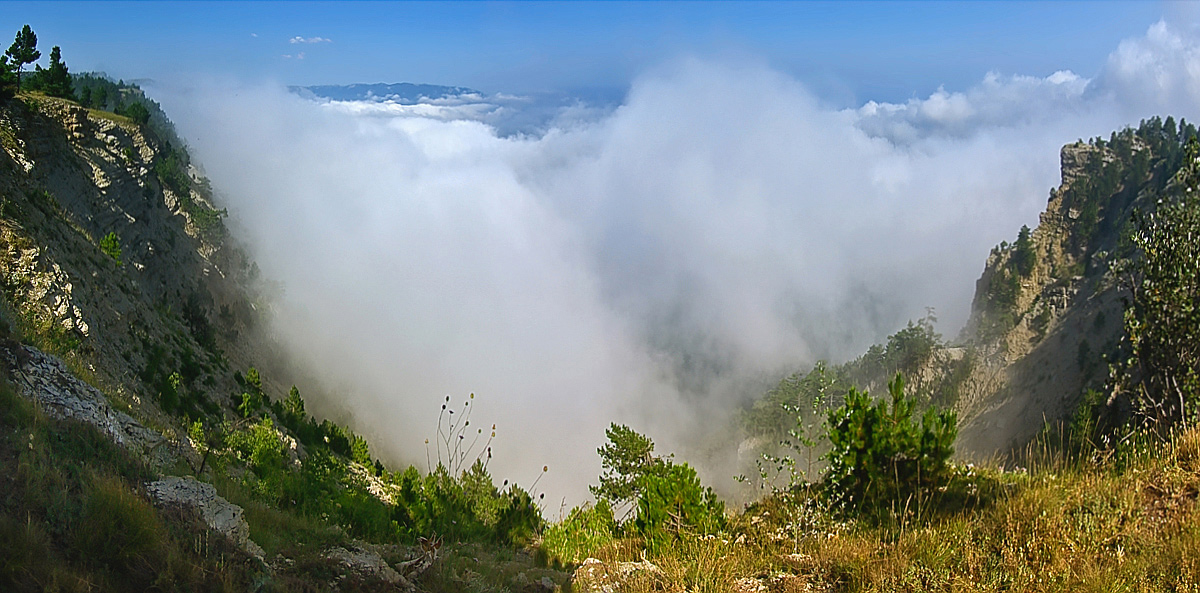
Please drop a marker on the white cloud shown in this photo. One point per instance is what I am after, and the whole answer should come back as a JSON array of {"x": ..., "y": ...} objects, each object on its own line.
[
  {"x": 299, "y": 39},
  {"x": 1157, "y": 73},
  {"x": 297, "y": 56},
  {"x": 998, "y": 101},
  {"x": 719, "y": 227}
]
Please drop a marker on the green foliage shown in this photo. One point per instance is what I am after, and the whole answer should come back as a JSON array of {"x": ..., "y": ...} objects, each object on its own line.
[
  {"x": 1163, "y": 316},
  {"x": 172, "y": 172},
  {"x": 260, "y": 448},
  {"x": 23, "y": 51},
  {"x": 360, "y": 451},
  {"x": 586, "y": 529},
  {"x": 796, "y": 410},
  {"x": 797, "y": 402},
  {"x": 467, "y": 508},
  {"x": 8, "y": 79},
  {"x": 291, "y": 414},
  {"x": 907, "y": 351},
  {"x": 673, "y": 503},
  {"x": 879, "y": 457},
  {"x": 259, "y": 445},
  {"x": 627, "y": 458},
  {"x": 1024, "y": 256},
  {"x": 137, "y": 112},
  {"x": 252, "y": 398},
  {"x": 293, "y": 406},
  {"x": 55, "y": 80},
  {"x": 110, "y": 245}
]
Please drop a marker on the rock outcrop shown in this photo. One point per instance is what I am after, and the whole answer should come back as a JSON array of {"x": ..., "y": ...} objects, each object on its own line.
[
  {"x": 60, "y": 394},
  {"x": 596, "y": 576},
  {"x": 366, "y": 562},
  {"x": 1045, "y": 321},
  {"x": 220, "y": 515}
]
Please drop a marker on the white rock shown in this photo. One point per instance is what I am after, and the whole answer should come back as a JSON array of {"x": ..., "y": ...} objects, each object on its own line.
[{"x": 219, "y": 514}]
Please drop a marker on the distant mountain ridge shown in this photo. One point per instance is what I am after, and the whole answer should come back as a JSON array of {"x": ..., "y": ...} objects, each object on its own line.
[{"x": 401, "y": 92}]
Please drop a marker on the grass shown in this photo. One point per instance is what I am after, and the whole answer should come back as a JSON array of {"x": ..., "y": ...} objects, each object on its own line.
[
  {"x": 279, "y": 531},
  {"x": 73, "y": 516},
  {"x": 487, "y": 568},
  {"x": 1126, "y": 522}
]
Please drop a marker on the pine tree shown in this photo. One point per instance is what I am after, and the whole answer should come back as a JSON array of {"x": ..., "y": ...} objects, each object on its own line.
[
  {"x": 23, "y": 51},
  {"x": 56, "y": 81},
  {"x": 8, "y": 78}
]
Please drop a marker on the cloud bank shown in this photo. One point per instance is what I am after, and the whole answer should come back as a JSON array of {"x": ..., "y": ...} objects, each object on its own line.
[{"x": 650, "y": 264}]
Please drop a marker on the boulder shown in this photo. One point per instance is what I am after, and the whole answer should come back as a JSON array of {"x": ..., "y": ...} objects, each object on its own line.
[
  {"x": 368, "y": 563},
  {"x": 220, "y": 515}
]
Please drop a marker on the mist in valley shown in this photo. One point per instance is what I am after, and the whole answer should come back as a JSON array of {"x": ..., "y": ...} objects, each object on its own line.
[{"x": 656, "y": 263}]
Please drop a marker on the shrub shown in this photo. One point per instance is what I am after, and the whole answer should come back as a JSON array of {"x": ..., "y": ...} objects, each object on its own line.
[
  {"x": 111, "y": 246},
  {"x": 252, "y": 399},
  {"x": 260, "y": 447},
  {"x": 467, "y": 508},
  {"x": 627, "y": 459},
  {"x": 137, "y": 112},
  {"x": 674, "y": 503},
  {"x": 586, "y": 529},
  {"x": 172, "y": 172},
  {"x": 1163, "y": 316},
  {"x": 879, "y": 455}
]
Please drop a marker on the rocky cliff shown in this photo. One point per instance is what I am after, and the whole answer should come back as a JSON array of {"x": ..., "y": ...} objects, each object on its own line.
[
  {"x": 1047, "y": 317},
  {"x": 113, "y": 257},
  {"x": 1048, "y": 310}
]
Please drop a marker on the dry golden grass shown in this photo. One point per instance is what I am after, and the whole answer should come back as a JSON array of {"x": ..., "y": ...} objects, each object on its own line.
[{"x": 1120, "y": 525}]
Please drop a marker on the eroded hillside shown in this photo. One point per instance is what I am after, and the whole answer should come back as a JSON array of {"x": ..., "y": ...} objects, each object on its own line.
[
  {"x": 115, "y": 259},
  {"x": 1047, "y": 317}
]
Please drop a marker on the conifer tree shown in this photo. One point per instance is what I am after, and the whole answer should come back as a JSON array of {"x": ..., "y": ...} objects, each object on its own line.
[
  {"x": 8, "y": 78},
  {"x": 23, "y": 51},
  {"x": 56, "y": 81}
]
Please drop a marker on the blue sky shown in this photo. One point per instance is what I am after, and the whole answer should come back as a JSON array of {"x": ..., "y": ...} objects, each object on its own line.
[{"x": 847, "y": 52}]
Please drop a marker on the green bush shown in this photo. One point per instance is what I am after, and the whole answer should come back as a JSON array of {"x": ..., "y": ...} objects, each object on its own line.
[
  {"x": 252, "y": 398},
  {"x": 879, "y": 457},
  {"x": 137, "y": 112},
  {"x": 1163, "y": 316},
  {"x": 586, "y": 529},
  {"x": 111, "y": 246},
  {"x": 172, "y": 172},
  {"x": 627, "y": 458},
  {"x": 674, "y": 503},
  {"x": 467, "y": 508}
]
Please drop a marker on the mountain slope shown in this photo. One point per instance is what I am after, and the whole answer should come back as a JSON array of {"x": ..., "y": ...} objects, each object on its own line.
[
  {"x": 1047, "y": 316},
  {"x": 115, "y": 260}
]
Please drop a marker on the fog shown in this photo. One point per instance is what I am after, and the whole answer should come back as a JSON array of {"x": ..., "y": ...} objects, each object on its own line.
[{"x": 653, "y": 263}]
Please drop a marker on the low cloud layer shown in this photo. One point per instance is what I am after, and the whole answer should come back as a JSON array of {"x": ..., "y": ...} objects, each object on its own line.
[{"x": 647, "y": 264}]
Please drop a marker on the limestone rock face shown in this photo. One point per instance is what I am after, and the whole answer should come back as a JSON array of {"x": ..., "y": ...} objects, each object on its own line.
[
  {"x": 177, "y": 294},
  {"x": 219, "y": 514},
  {"x": 47, "y": 381}
]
